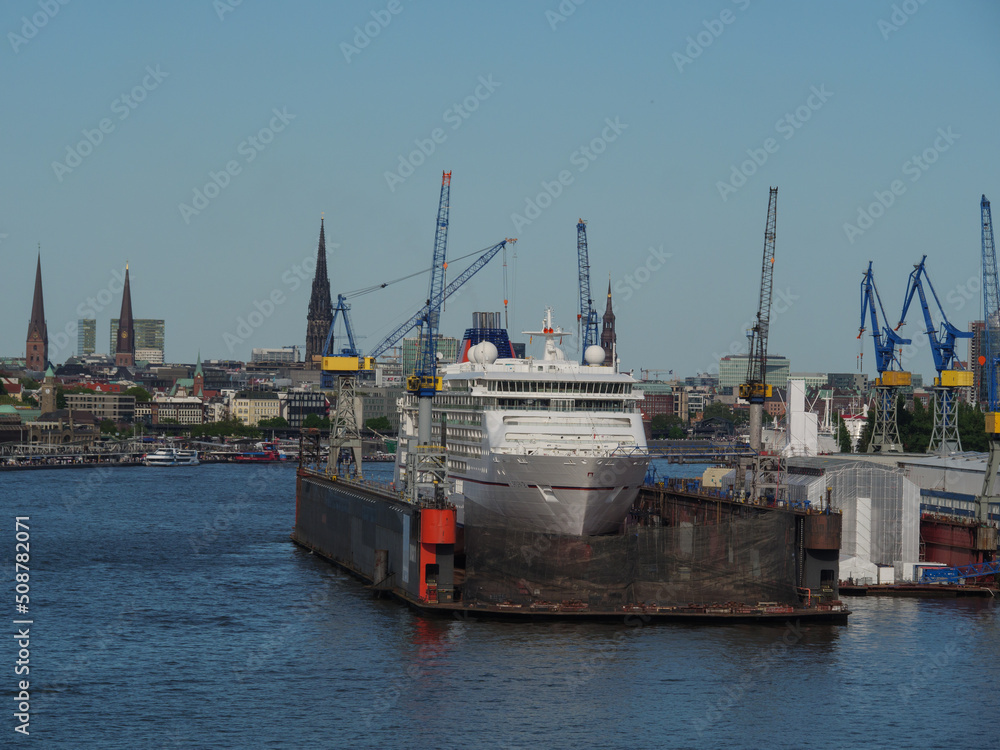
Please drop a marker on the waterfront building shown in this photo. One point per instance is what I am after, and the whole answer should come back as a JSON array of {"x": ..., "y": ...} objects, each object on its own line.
[
  {"x": 733, "y": 372},
  {"x": 249, "y": 407},
  {"x": 297, "y": 405},
  {"x": 381, "y": 402},
  {"x": 320, "y": 314},
  {"x": 86, "y": 336},
  {"x": 37, "y": 345},
  {"x": 812, "y": 380},
  {"x": 166, "y": 409},
  {"x": 284, "y": 355},
  {"x": 114, "y": 406},
  {"x": 447, "y": 348},
  {"x": 850, "y": 381},
  {"x": 609, "y": 339}
]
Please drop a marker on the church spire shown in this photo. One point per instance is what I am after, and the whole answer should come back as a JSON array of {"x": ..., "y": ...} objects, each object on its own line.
[
  {"x": 37, "y": 346},
  {"x": 608, "y": 336},
  {"x": 125, "y": 344},
  {"x": 320, "y": 314}
]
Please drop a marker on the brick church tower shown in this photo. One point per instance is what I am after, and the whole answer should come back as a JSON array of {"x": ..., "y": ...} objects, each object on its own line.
[
  {"x": 320, "y": 315},
  {"x": 37, "y": 347}
]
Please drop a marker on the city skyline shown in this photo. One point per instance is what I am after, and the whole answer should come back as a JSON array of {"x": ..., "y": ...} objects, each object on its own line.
[{"x": 661, "y": 126}]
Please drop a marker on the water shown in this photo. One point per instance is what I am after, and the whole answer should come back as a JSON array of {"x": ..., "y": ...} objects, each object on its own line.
[{"x": 171, "y": 610}]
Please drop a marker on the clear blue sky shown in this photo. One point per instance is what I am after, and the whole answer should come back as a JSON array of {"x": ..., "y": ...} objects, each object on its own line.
[{"x": 686, "y": 110}]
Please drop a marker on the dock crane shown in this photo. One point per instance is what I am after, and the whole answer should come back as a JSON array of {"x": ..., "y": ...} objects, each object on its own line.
[
  {"x": 950, "y": 377},
  {"x": 587, "y": 317},
  {"x": 989, "y": 361},
  {"x": 885, "y": 437},
  {"x": 342, "y": 309},
  {"x": 755, "y": 389},
  {"x": 427, "y": 464}
]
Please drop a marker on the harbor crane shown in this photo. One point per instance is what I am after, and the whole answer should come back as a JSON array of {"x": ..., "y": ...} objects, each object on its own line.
[
  {"x": 988, "y": 360},
  {"x": 427, "y": 464},
  {"x": 950, "y": 375},
  {"x": 885, "y": 437},
  {"x": 342, "y": 309},
  {"x": 755, "y": 389},
  {"x": 766, "y": 471},
  {"x": 587, "y": 317}
]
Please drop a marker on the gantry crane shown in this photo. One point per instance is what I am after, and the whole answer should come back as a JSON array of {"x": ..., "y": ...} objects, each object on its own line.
[
  {"x": 950, "y": 377},
  {"x": 755, "y": 389},
  {"x": 989, "y": 361},
  {"x": 587, "y": 317},
  {"x": 885, "y": 437}
]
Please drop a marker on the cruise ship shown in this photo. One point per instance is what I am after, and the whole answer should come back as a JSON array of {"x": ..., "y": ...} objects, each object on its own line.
[{"x": 550, "y": 442}]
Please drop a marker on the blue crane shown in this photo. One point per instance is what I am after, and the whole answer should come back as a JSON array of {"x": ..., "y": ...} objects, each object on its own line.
[
  {"x": 351, "y": 350},
  {"x": 342, "y": 306},
  {"x": 988, "y": 362},
  {"x": 944, "y": 437},
  {"x": 424, "y": 382},
  {"x": 885, "y": 437},
  {"x": 943, "y": 341},
  {"x": 886, "y": 339},
  {"x": 587, "y": 317}
]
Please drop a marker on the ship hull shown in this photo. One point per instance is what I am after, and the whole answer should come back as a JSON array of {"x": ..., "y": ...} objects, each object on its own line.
[{"x": 579, "y": 496}]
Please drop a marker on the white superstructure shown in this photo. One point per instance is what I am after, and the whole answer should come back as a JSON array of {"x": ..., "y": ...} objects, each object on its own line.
[
  {"x": 171, "y": 457},
  {"x": 550, "y": 442}
]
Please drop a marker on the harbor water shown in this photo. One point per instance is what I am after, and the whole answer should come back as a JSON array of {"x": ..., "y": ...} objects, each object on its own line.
[{"x": 169, "y": 609}]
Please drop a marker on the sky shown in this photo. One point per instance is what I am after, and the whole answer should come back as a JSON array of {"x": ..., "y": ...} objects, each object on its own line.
[{"x": 201, "y": 141}]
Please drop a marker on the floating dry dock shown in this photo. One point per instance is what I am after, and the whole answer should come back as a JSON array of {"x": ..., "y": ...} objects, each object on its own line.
[{"x": 682, "y": 555}]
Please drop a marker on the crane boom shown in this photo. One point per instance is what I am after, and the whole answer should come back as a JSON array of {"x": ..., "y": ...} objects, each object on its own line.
[
  {"x": 755, "y": 390},
  {"x": 991, "y": 341},
  {"x": 991, "y": 307},
  {"x": 423, "y": 382},
  {"x": 943, "y": 342},
  {"x": 587, "y": 315},
  {"x": 351, "y": 350},
  {"x": 945, "y": 437},
  {"x": 385, "y": 344},
  {"x": 886, "y": 358}
]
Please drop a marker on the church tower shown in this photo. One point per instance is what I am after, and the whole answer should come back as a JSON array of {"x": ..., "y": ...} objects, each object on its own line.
[
  {"x": 37, "y": 347},
  {"x": 125, "y": 345},
  {"x": 320, "y": 315},
  {"x": 198, "y": 387},
  {"x": 608, "y": 336},
  {"x": 47, "y": 393}
]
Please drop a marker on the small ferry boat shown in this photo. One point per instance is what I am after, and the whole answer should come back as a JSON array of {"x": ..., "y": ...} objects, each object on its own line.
[{"x": 171, "y": 457}]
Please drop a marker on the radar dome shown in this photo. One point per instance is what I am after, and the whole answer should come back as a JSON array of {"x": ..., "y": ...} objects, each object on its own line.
[
  {"x": 594, "y": 355},
  {"x": 488, "y": 352}
]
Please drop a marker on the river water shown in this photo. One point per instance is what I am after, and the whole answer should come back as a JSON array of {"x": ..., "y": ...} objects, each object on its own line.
[{"x": 169, "y": 609}]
